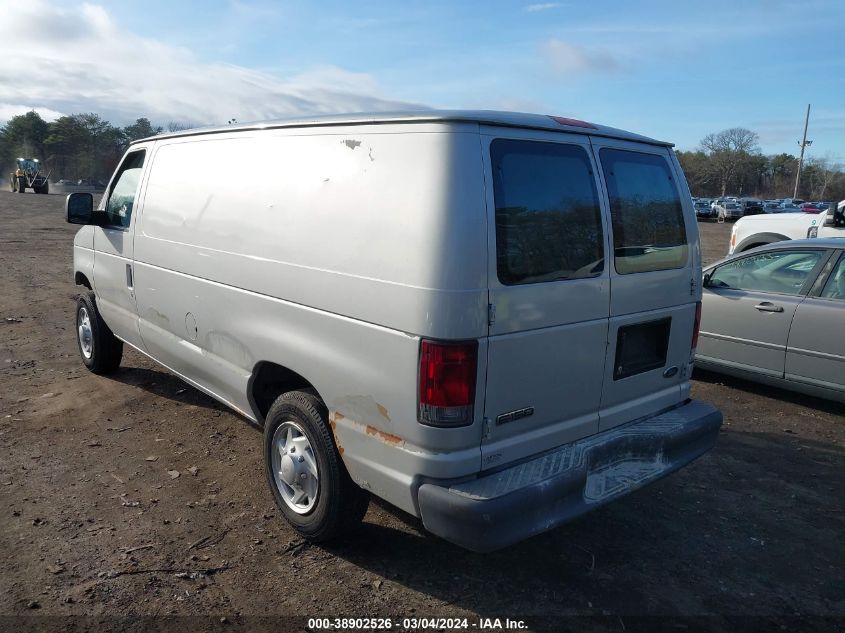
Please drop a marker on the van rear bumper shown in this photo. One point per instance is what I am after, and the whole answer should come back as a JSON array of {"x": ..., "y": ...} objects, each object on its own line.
[{"x": 510, "y": 505}]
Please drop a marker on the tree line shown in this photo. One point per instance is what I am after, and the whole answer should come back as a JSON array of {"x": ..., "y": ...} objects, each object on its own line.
[
  {"x": 730, "y": 163},
  {"x": 75, "y": 146},
  {"x": 726, "y": 163}
]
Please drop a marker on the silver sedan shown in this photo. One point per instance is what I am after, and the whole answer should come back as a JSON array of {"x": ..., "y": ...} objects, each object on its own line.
[{"x": 776, "y": 314}]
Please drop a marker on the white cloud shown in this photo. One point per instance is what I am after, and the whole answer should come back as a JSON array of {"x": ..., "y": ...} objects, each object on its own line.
[
  {"x": 569, "y": 59},
  {"x": 544, "y": 6},
  {"x": 9, "y": 110},
  {"x": 81, "y": 60}
]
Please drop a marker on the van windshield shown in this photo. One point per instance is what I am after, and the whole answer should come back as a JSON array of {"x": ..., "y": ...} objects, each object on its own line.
[
  {"x": 548, "y": 220},
  {"x": 648, "y": 222}
]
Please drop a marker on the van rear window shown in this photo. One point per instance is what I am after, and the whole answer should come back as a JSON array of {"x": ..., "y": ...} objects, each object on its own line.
[
  {"x": 548, "y": 221},
  {"x": 648, "y": 223}
]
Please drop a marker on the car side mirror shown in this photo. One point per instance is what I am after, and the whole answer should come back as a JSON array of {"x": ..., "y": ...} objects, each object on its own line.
[
  {"x": 830, "y": 218},
  {"x": 79, "y": 208},
  {"x": 706, "y": 282}
]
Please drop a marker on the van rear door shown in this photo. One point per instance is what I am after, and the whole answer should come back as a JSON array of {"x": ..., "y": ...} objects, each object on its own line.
[
  {"x": 655, "y": 273},
  {"x": 549, "y": 292}
]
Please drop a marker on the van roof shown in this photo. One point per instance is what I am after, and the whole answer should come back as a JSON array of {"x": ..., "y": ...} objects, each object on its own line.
[{"x": 485, "y": 117}]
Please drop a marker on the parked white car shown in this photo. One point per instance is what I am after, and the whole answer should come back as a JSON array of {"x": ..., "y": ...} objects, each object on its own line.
[
  {"x": 757, "y": 230},
  {"x": 430, "y": 307}
]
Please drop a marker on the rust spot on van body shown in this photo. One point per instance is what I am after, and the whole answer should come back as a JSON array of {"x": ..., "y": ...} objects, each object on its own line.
[
  {"x": 333, "y": 420},
  {"x": 384, "y": 413},
  {"x": 387, "y": 438}
]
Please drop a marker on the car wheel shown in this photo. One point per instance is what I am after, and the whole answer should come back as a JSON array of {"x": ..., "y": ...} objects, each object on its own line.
[
  {"x": 306, "y": 475},
  {"x": 100, "y": 350}
]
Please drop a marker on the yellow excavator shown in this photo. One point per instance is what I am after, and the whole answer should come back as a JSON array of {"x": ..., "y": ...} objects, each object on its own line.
[{"x": 29, "y": 175}]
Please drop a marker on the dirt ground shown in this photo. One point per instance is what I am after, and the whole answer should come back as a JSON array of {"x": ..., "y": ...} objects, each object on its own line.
[{"x": 95, "y": 522}]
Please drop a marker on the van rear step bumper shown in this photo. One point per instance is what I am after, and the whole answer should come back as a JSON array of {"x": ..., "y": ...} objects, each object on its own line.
[{"x": 510, "y": 505}]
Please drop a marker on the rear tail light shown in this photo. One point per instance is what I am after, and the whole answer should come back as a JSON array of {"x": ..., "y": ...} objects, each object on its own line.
[
  {"x": 447, "y": 382},
  {"x": 696, "y": 327}
]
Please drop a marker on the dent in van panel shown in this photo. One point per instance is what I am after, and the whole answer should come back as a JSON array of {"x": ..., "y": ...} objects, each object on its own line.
[
  {"x": 157, "y": 318},
  {"x": 361, "y": 408},
  {"x": 226, "y": 346}
]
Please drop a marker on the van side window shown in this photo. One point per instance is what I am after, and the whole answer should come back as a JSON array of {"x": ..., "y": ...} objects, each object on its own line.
[
  {"x": 548, "y": 220},
  {"x": 648, "y": 222},
  {"x": 122, "y": 195}
]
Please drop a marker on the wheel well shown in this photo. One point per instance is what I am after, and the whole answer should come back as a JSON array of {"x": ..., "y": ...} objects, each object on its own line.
[
  {"x": 268, "y": 382},
  {"x": 759, "y": 239},
  {"x": 82, "y": 280}
]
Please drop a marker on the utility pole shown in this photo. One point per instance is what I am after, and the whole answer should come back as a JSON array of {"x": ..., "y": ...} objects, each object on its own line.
[{"x": 803, "y": 144}]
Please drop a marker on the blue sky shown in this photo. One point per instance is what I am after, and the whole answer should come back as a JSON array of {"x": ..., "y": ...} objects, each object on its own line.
[{"x": 673, "y": 70}]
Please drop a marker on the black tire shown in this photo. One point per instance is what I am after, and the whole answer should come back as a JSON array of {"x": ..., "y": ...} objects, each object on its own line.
[
  {"x": 106, "y": 350},
  {"x": 45, "y": 188},
  {"x": 340, "y": 503},
  {"x": 21, "y": 184}
]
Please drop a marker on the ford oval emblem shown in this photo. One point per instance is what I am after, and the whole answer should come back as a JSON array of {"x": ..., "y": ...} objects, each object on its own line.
[{"x": 671, "y": 371}]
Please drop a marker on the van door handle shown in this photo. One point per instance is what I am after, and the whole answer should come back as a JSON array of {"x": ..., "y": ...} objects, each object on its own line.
[
  {"x": 768, "y": 306},
  {"x": 129, "y": 277}
]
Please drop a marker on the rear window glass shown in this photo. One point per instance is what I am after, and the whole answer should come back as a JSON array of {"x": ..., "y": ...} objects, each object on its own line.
[
  {"x": 648, "y": 222},
  {"x": 548, "y": 221}
]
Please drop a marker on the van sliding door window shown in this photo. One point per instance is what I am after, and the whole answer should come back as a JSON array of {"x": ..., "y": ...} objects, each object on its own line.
[
  {"x": 122, "y": 195},
  {"x": 648, "y": 222},
  {"x": 548, "y": 221}
]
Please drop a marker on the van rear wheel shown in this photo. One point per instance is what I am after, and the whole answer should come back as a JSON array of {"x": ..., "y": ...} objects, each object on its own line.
[
  {"x": 306, "y": 475},
  {"x": 100, "y": 350}
]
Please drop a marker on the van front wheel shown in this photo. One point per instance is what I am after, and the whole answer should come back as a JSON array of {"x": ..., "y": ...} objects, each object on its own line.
[
  {"x": 100, "y": 350},
  {"x": 305, "y": 472}
]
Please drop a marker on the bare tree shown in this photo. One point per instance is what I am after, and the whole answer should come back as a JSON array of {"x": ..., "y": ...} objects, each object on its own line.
[
  {"x": 821, "y": 172},
  {"x": 729, "y": 150},
  {"x": 735, "y": 139},
  {"x": 176, "y": 126}
]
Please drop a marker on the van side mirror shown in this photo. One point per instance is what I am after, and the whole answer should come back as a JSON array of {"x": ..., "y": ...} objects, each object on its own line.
[{"x": 79, "y": 208}]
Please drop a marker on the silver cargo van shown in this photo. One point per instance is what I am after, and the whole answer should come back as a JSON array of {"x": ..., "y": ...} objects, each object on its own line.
[{"x": 487, "y": 319}]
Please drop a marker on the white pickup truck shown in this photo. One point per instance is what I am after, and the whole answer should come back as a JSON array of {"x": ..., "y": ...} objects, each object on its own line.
[{"x": 756, "y": 230}]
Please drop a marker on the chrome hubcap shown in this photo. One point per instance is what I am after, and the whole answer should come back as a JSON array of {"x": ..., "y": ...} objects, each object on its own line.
[
  {"x": 86, "y": 338},
  {"x": 295, "y": 467}
]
